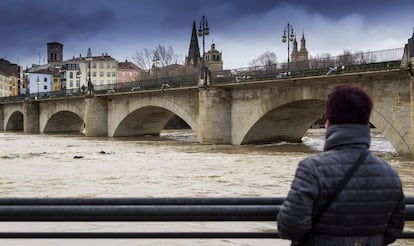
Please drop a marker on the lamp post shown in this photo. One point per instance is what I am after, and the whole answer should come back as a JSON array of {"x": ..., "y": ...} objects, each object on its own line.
[
  {"x": 38, "y": 84},
  {"x": 290, "y": 37},
  {"x": 202, "y": 32},
  {"x": 89, "y": 59},
  {"x": 155, "y": 63}
]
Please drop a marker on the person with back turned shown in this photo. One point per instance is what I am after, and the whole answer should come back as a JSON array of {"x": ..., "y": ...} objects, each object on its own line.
[{"x": 345, "y": 195}]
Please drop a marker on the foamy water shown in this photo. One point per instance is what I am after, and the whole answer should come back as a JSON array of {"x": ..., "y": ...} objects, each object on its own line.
[{"x": 173, "y": 165}]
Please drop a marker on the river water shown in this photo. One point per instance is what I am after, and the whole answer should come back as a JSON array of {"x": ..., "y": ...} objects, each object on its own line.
[{"x": 172, "y": 165}]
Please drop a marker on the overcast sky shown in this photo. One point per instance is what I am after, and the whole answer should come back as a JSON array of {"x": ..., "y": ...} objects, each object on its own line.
[{"x": 241, "y": 29}]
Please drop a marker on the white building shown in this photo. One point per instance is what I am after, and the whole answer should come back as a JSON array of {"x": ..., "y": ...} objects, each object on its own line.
[
  {"x": 40, "y": 83},
  {"x": 102, "y": 70}
]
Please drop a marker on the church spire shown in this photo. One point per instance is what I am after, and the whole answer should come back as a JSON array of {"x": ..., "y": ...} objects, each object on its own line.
[
  {"x": 303, "y": 43},
  {"x": 89, "y": 54},
  {"x": 193, "y": 57}
]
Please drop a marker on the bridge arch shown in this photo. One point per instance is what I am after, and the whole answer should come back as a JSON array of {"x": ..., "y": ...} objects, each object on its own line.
[
  {"x": 390, "y": 132},
  {"x": 272, "y": 126},
  {"x": 282, "y": 117},
  {"x": 148, "y": 117},
  {"x": 288, "y": 117},
  {"x": 15, "y": 121},
  {"x": 56, "y": 117},
  {"x": 64, "y": 121}
]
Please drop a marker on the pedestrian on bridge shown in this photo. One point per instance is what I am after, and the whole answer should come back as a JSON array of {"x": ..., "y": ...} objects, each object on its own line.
[{"x": 345, "y": 195}]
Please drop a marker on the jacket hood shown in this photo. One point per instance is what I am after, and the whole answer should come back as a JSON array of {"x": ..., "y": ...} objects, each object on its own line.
[{"x": 347, "y": 134}]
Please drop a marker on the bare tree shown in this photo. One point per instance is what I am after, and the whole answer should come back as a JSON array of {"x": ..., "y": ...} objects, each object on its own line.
[
  {"x": 346, "y": 58},
  {"x": 266, "y": 60},
  {"x": 165, "y": 55},
  {"x": 322, "y": 61},
  {"x": 144, "y": 58},
  {"x": 160, "y": 54}
]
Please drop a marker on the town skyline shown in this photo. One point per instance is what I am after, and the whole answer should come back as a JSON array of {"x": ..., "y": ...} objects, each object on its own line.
[{"x": 241, "y": 30}]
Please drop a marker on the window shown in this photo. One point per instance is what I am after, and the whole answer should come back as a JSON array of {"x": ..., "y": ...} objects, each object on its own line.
[
  {"x": 113, "y": 74},
  {"x": 94, "y": 65},
  {"x": 101, "y": 65},
  {"x": 45, "y": 79},
  {"x": 101, "y": 74},
  {"x": 93, "y": 74},
  {"x": 108, "y": 65},
  {"x": 71, "y": 83},
  {"x": 71, "y": 75},
  {"x": 108, "y": 74},
  {"x": 45, "y": 87},
  {"x": 113, "y": 65}
]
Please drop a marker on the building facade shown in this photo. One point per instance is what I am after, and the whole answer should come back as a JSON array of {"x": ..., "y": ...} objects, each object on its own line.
[
  {"x": 100, "y": 70},
  {"x": 40, "y": 82},
  {"x": 127, "y": 72},
  {"x": 14, "y": 71},
  {"x": 4, "y": 84}
]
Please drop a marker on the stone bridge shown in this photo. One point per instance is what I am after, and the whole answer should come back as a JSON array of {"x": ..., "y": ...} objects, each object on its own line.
[{"x": 231, "y": 113}]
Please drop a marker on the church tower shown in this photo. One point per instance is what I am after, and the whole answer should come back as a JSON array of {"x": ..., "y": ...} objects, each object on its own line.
[
  {"x": 300, "y": 58},
  {"x": 294, "y": 54},
  {"x": 303, "y": 50},
  {"x": 54, "y": 53},
  {"x": 214, "y": 59},
  {"x": 193, "y": 58}
]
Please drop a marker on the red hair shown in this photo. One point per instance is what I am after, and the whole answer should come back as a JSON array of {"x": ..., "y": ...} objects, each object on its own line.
[{"x": 348, "y": 105}]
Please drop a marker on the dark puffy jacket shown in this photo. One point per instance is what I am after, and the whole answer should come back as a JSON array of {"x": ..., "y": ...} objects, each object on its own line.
[{"x": 370, "y": 209}]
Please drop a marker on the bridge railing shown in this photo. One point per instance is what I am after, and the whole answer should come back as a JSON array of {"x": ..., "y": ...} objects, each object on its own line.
[
  {"x": 318, "y": 66},
  {"x": 163, "y": 83},
  {"x": 259, "y": 209}
]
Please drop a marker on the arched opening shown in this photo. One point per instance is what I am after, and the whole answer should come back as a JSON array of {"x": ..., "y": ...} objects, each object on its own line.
[
  {"x": 64, "y": 122},
  {"x": 288, "y": 122},
  {"x": 153, "y": 121},
  {"x": 15, "y": 122}
]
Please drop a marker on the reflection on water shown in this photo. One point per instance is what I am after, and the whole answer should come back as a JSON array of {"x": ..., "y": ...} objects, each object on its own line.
[{"x": 172, "y": 165}]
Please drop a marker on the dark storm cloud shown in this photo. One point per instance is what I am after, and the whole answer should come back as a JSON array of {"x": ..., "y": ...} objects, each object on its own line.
[
  {"x": 30, "y": 24},
  {"x": 121, "y": 27}
]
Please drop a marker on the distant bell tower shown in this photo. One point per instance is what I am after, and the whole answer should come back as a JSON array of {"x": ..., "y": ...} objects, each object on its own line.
[
  {"x": 300, "y": 58},
  {"x": 54, "y": 53},
  {"x": 214, "y": 59}
]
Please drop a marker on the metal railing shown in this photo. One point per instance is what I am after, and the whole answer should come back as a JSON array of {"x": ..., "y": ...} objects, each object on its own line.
[
  {"x": 147, "y": 210},
  {"x": 316, "y": 66},
  {"x": 187, "y": 80},
  {"x": 319, "y": 66}
]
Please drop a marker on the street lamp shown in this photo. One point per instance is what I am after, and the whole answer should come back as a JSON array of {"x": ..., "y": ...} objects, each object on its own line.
[
  {"x": 290, "y": 37},
  {"x": 38, "y": 84},
  {"x": 202, "y": 32},
  {"x": 155, "y": 61},
  {"x": 89, "y": 59}
]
